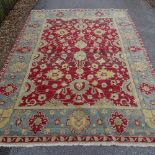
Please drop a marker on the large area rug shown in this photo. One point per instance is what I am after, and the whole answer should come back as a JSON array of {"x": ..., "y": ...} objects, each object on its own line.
[{"x": 78, "y": 77}]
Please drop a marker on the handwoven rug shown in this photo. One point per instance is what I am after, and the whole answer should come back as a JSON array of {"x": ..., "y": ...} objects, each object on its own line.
[{"x": 77, "y": 77}]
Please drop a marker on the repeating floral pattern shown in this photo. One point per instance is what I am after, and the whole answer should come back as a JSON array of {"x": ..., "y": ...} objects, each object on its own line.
[
  {"x": 79, "y": 60},
  {"x": 78, "y": 76}
]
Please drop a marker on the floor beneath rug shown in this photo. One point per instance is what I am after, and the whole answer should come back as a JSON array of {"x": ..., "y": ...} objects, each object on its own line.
[{"x": 144, "y": 18}]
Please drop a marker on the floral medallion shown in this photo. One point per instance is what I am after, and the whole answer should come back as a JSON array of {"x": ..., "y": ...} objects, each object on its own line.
[
  {"x": 118, "y": 122},
  {"x": 78, "y": 121},
  {"x": 8, "y": 89},
  {"x": 37, "y": 122}
]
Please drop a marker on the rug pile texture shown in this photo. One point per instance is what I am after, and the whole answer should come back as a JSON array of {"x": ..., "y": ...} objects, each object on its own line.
[{"x": 78, "y": 77}]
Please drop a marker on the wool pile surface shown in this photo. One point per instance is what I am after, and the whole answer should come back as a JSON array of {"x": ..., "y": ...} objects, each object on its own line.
[{"x": 78, "y": 77}]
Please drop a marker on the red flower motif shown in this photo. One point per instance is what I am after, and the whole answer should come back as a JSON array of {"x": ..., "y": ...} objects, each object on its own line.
[
  {"x": 18, "y": 122},
  {"x": 37, "y": 122},
  {"x": 146, "y": 88},
  {"x": 60, "y": 14},
  {"x": 8, "y": 89},
  {"x": 24, "y": 49},
  {"x": 134, "y": 49},
  {"x": 118, "y": 122},
  {"x": 98, "y": 13}
]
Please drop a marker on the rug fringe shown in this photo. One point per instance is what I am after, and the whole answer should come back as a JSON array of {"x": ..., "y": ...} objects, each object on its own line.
[
  {"x": 76, "y": 9},
  {"x": 79, "y": 144}
]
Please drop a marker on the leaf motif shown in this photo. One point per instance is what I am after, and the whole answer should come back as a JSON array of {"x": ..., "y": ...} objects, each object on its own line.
[
  {"x": 99, "y": 90},
  {"x": 58, "y": 91}
]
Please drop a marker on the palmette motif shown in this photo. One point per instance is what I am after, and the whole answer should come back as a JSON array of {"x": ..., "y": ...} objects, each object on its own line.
[{"x": 86, "y": 78}]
